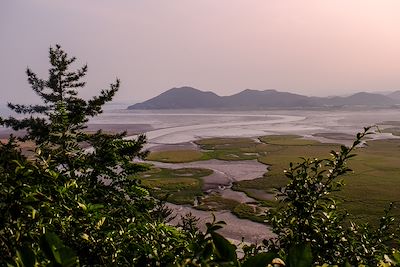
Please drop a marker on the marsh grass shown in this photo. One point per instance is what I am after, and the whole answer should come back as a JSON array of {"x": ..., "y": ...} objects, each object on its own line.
[
  {"x": 179, "y": 186},
  {"x": 287, "y": 140},
  {"x": 214, "y": 202},
  {"x": 278, "y": 151},
  {"x": 250, "y": 212},
  {"x": 374, "y": 183},
  {"x": 231, "y": 149},
  {"x": 176, "y": 156}
]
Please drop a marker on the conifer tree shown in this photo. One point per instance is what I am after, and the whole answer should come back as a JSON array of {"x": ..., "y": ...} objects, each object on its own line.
[
  {"x": 61, "y": 86},
  {"x": 74, "y": 181},
  {"x": 56, "y": 126}
]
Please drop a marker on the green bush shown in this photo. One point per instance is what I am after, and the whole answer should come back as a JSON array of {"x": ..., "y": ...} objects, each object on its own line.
[{"x": 308, "y": 214}]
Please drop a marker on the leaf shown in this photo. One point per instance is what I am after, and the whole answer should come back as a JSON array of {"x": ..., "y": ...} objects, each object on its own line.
[
  {"x": 261, "y": 259},
  {"x": 82, "y": 206},
  {"x": 56, "y": 251},
  {"x": 67, "y": 257},
  {"x": 396, "y": 257},
  {"x": 100, "y": 222},
  {"x": 26, "y": 257},
  {"x": 300, "y": 256},
  {"x": 46, "y": 242},
  {"x": 207, "y": 251},
  {"x": 85, "y": 236},
  {"x": 225, "y": 249},
  {"x": 213, "y": 228},
  {"x": 93, "y": 207}
]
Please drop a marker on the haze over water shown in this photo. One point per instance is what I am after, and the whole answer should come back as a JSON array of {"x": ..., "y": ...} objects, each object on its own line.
[{"x": 176, "y": 126}]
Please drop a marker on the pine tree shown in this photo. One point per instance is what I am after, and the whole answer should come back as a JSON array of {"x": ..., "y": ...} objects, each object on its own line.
[
  {"x": 61, "y": 87},
  {"x": 70, "y": 170},
  {"x": 57, "y": 126}
]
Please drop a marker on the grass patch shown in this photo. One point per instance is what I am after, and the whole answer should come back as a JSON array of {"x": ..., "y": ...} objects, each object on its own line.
[
  {"x": 368, "y": 191},
  {"x": 279, "y": 151},
  {"x": 287, "y": 140},
  {"x": 177, "y": 156},
  {"x": 215, "y": 202},
  {"x": 230, "y": 155},
  {"x": 375, "y": 181},
  {"x": 180, "y": 186},
  {"x": 231, "y": 149},
  {"x": 250, "y": 212},
  {"x": 337, "y": 136}
]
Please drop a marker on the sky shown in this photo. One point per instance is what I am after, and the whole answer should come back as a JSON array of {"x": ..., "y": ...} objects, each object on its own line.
[{"x": 312, "y": 47}]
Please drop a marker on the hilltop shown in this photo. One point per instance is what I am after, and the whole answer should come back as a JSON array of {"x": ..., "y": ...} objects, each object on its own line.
[{"x": 189, "y": 97}]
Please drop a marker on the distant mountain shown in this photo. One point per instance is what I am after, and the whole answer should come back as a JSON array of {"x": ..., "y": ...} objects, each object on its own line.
[
  {"x": 188, "y": 97},
  {"x": 267, "y": 98},
  {"x": 395, "y": 95},
  {"x": 181, "y": 98},
  {"x": 360, "y": 99}
]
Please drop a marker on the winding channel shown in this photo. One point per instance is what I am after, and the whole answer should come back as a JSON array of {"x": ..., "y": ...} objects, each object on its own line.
[{"x": 224, "y": 174}]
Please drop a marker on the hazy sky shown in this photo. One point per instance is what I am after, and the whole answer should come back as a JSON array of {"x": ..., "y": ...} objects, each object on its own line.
[{"x": 314, "y": 47}]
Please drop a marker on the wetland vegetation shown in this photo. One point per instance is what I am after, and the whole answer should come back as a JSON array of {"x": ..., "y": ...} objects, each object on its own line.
[
  {"x": 79, "y": 198},
  {"x": 179, "y": 186},
  {"x": 372, "y": 185}
]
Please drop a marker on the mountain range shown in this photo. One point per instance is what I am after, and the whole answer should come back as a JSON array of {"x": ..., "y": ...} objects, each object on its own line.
[{"x": 188, "y": 97}]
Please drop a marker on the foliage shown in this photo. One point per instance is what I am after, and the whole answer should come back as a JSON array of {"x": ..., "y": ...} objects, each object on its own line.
[
  {"x": 84, "y": 196},
  {"x": 308, "y": 213},
  {"x": 369, "y": 188},
  {"x": 178, "y": 156},
  {"x": 68, "y": 206},
  {"x": 55, "y": 252}
]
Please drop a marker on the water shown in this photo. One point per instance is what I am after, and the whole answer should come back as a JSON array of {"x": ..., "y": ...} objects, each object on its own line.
[
  {"x": 174, "y": 126},
  {"x": 171, "y": 127}
]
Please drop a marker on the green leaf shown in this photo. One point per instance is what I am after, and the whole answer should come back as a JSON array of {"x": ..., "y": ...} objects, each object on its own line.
[
  {"x": 67, "y": 257},
  {"x": 225, "y": 249},
  {"x": 208, "y": 250},
  {"x": 46, "y": 242},
  {"x": 56, "y": 251},
  {"x": 26, "y": 257},
  {"x": 300, "y": 256},
  {"x": 396, "y": 257},
  {"x": 261, "y": 259}
]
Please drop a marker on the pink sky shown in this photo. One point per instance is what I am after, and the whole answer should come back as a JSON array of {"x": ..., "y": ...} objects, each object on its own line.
[{"x": 313, "y": 47}]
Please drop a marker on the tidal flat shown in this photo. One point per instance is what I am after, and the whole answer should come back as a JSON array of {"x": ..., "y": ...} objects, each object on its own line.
[
  {"x": 372, "y": 185},
  {"x": 272, "y": 139},
  {"x": 259, "y": 144}
]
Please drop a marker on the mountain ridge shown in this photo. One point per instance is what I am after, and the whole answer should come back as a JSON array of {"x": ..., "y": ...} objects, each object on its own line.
[{"x": 188, "y": 97}]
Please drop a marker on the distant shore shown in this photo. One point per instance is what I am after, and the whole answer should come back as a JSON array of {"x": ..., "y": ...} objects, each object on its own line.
[{"x": 131, "y": 129}]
